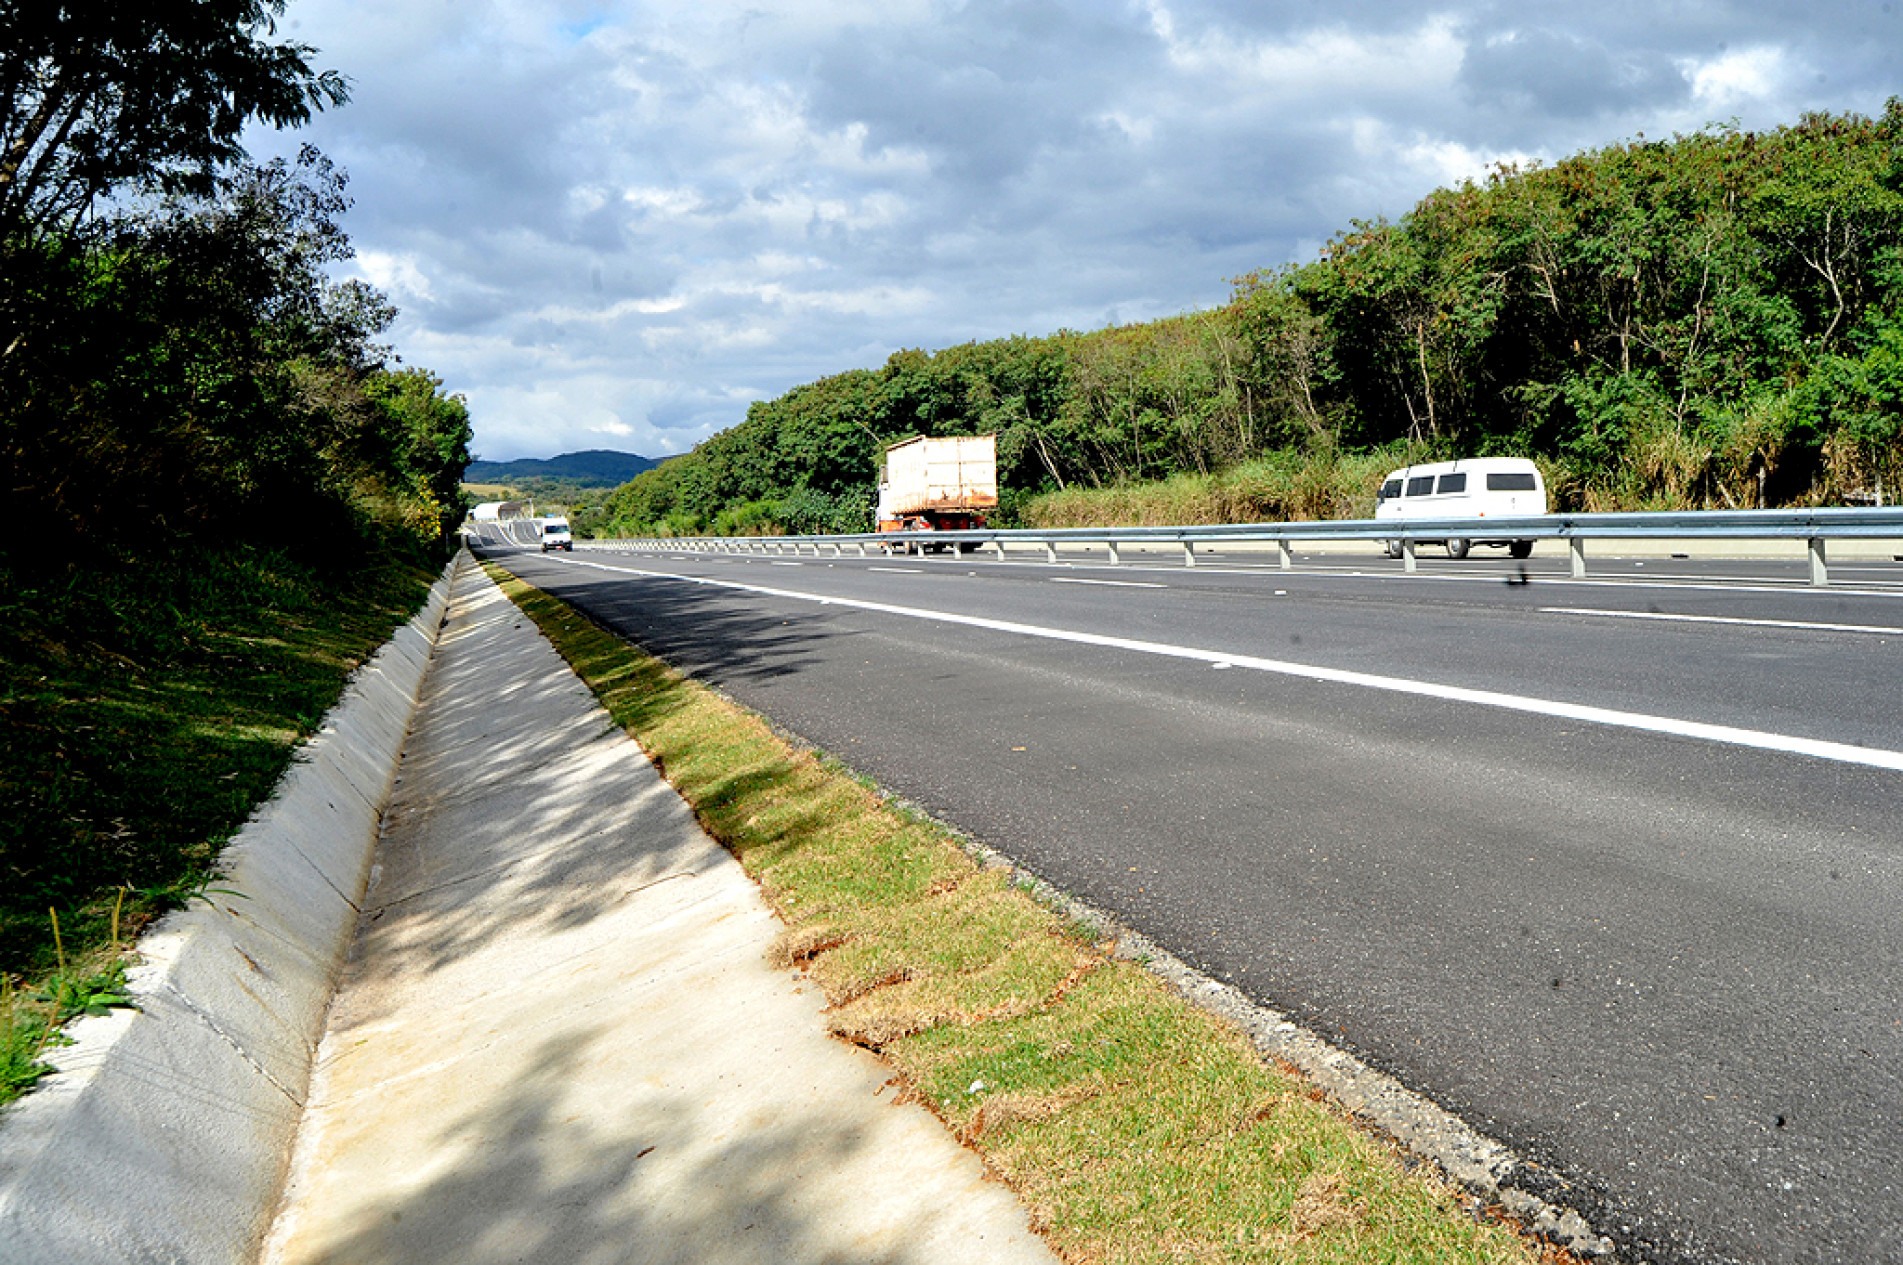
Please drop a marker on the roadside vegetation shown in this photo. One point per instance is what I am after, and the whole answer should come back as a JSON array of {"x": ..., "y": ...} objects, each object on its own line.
[
  {"x": 224, "y": 495},
  {"x": 1714, "y": 320},
  {"x": 147, "y": 711},
  {"x": 1135, "y": 1127}
]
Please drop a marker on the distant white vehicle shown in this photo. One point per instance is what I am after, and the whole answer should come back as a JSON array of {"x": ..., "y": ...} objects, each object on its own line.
[
  {"x": 1479, "y": 487},
  {"x": 555, "y": 535}
]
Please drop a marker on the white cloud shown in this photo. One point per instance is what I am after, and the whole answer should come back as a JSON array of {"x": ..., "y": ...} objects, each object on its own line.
[
  {"x": 400, "y": 276},
  {"x": 1329, "y": 62},
  {"x": 1741, "y": 77}
]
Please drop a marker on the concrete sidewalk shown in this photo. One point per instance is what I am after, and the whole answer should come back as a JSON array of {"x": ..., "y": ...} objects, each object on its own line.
[{"x": 558, "y": 1039}]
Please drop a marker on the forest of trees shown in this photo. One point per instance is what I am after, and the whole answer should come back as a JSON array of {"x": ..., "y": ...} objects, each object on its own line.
[
  {"x": 223, "y": 490},
  {"x": 1714, "y": 320},
  {"x": 176, "y": 366}
]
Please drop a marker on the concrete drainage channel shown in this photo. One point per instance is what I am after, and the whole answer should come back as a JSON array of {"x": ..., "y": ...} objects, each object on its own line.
[{"x": 165, "y": 1135}]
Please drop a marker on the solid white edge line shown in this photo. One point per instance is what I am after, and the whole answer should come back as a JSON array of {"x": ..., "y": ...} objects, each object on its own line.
[
  {"x": 1112, "y": 584},
  {"x": 1666, "y": 617},
  {"x": 1730, "y": 735}
]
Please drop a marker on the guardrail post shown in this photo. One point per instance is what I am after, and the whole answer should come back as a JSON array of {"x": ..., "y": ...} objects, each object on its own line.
[
  {"x": 999, "y": 546},
  {"x": 1576, "y": 551},
  {"x": 1050, "y": 551},
  {"x": 1286, "y": 555},
  {"x": 1189, "y": 553},
  {"x": 1115, "y": 558},
  {"x": 1819, "y": 569},
  {"x": 1407, "y": 556}
]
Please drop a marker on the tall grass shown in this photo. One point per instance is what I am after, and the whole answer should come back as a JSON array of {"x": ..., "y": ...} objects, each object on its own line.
[{"x": 1287, "y": 486}]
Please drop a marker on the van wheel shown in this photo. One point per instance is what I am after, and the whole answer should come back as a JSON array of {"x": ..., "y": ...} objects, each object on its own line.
[
  {"x": 1459, "y": 548},
  {"x": 1521, "y": 549},
  {"x": 1392, "y": 548}
]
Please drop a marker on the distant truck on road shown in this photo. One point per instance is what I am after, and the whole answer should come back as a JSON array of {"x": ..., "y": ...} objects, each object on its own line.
[{"x": 944, "y": 484}]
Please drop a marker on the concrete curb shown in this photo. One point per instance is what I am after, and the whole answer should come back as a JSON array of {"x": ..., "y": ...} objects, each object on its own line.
[{"x": 165, "y": 1135}]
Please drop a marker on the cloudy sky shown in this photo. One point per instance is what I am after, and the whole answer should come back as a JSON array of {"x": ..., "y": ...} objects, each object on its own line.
[{"x": 613, "y": 223}]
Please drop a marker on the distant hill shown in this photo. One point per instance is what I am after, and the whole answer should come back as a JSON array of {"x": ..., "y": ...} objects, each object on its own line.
[{"x": 596, "y": 468}]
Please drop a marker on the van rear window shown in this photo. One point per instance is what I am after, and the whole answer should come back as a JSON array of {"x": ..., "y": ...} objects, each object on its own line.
[
  {"x": 1452, "y": 483},
  {"x": 1511, "y": 481},
  {"x": 1421, "y": 485},
  {"x": 1390, "y": 489}
]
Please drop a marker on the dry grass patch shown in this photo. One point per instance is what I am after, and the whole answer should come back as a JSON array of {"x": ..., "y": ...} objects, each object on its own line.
[{"x": 1135, "y": 1127}]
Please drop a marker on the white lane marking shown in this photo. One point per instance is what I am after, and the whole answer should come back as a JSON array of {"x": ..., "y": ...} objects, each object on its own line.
[
  {"x": 1656, "y": 580},
  {"x": 1730, "y": 735},
  {"x": 1724, "y": 619},
  {"x": 1112, "y": 584},
  {"x": 900, "y": 570},
  {"x": 789, "y": 564}
]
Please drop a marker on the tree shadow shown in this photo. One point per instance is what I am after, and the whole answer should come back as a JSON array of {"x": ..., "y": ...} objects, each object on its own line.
[
  {"x": 520, "y": 808},
  {"x": 700, "y": 630},
  {"x": 529, "y": 1182}
]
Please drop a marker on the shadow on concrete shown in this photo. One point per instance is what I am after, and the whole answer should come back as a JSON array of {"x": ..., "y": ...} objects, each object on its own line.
[
  {"x": 510, "y": 817},
  {"x": 625, "y": 1197}
]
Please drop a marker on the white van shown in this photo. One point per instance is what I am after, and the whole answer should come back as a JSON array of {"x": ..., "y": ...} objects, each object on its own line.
[
  {"x": 555, "y": 535},
  {"x": 1479, "y": 487}
]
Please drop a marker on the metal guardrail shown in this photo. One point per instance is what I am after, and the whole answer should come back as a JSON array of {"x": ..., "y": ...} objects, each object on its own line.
[{"x": 1815, "y": 527}]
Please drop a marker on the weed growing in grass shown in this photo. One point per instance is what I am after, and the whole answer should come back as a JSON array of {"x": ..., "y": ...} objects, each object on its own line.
[
  {"x": 30, "y": 1024},
  {"x": 1135, "y": 1127}
]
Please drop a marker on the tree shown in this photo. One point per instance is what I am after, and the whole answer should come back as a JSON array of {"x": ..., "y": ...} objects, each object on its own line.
[
  {"x": 426, "y": 444},
  {"x": 105, "y": 96}
]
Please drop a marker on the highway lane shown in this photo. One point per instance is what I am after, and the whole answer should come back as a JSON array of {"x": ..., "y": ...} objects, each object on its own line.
[{"x": 1662, "y": 968}]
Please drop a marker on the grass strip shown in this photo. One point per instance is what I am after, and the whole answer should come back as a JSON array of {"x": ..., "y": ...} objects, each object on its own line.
[
  {"x": 147, "y": 710},
  {"x": 1135, "y": 1127}
]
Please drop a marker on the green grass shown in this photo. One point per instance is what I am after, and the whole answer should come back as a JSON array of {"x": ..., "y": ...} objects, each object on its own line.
[
  {"x": 1134, "y": 1126},
  {"x": 147, "y": 710}
]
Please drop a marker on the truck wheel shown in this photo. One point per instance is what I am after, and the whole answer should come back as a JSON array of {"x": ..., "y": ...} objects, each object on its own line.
[
  {"x": 1392, "y": 548},
  {"x": 1459, "y": 548},
  {"x": 1521, "y": 549}
]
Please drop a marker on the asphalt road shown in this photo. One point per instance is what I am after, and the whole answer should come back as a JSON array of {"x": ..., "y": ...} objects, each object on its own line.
[{"x": 1613, "y": 869}]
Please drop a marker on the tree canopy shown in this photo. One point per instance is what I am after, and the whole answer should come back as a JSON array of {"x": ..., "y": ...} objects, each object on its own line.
[
  {"x": 103, "y": 96},
  {"x": 177, "y": 364}
]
